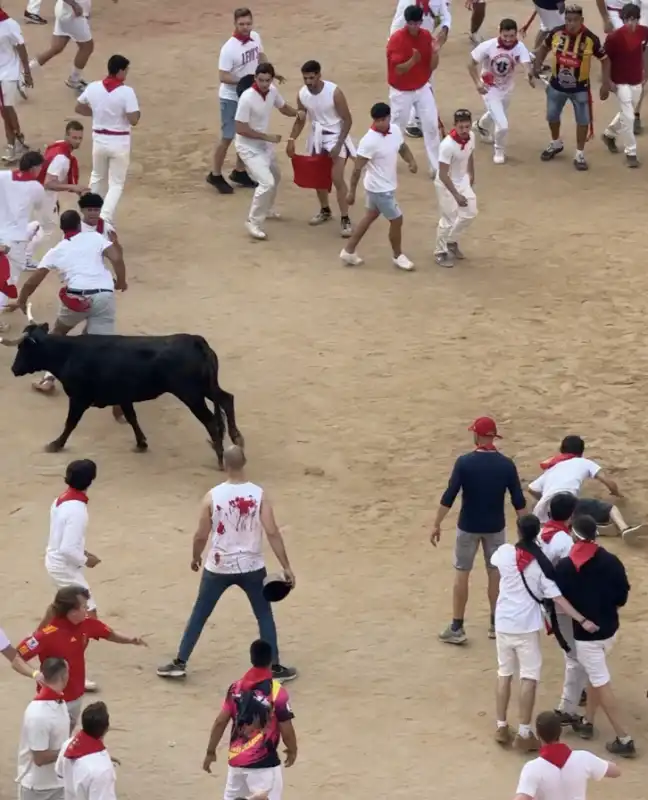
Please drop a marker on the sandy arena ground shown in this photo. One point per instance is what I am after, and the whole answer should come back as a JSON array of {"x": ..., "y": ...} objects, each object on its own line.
[{"x": 354, "y": 389}]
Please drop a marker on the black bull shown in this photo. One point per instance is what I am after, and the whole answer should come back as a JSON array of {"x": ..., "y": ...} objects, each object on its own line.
[{"x": 103, "y": 371}]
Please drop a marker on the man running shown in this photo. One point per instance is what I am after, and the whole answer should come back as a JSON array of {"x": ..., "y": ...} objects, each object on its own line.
[
  {"x": 328, "y": 111},
  {"x": 13, "y": 56}
]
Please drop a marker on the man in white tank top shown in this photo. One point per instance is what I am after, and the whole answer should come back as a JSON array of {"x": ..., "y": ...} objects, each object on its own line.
[
  {"x": 330, "y": 119},
  {"x": 234, "y": 515}
]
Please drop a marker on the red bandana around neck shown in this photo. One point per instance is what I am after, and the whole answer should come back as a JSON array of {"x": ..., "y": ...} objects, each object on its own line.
[
  {"x": 111, "y": 83},
  {"x": 71, "y": 234},
  {"x": 61, "y": 148},
  {"x": 17, "y": 175},
  {"x": 548, "y": 463},
  {"x": 581, "y": 553},
  {"x": 523, "y": 559},
  {"x": 458, "y": 139},
  {"x": 424, "y": 5},
  {"x": 4, "y": 16},
  {"x": 243, "y": 38},
  {"x": 83, "y": 745},
  {"x": 45, "y": 693},
  {"x": 556, "y": 754},
  {"x": 506, "y": 45},
  {"x": 71, "y": 494},
  {"x": 382, "y": 133},
  {"x": 551, "y": 528},
  {"x": 260, "y": 91},
  {"x": 254, "y": 676}
]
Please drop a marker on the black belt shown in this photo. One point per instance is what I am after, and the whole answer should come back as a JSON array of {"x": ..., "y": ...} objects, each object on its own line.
[{"x": 84, "y": 292}]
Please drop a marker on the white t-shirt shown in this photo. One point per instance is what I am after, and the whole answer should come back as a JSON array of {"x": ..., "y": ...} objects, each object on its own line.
[
  {"x": 566, "y": 476},
  {"x": 90, "y": 777},
  {"x": 66, "y": 545},
  {"x": 109, "y": 111},
  {"x": 544, "y": 781},
  {"x": 19, "y": 203},
  {"x": 457, "y": 157},
  {"x": 237, "y": 534},
  {"x": 64, "y": 11},
  {"x": 79, "y": 262},
  {"x": 4, "y": 641},
  {"x": 381, "y": 150},
  {"x": 107, "y": 229},
  {"x": 59, "y": 169},
  {"x": 256, "y": 109},
  {"x": 46, "y": 725},
  {"x": 10, "y": 37},
  {"x": 500, "y": 63},
  {"x": 516, "y": 611},
  {"x": 559, "y": 547},
  {"x": 239, "y": 59}
]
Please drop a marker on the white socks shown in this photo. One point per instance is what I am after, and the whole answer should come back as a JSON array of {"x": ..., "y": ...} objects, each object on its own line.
[{"x": 524, "y": 731}]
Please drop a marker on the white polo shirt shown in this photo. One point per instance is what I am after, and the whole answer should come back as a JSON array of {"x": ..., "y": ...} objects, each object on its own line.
[
  {"x": 566, "y": 476},
  {"x": 381, "y": 152},
  {"x": 516, "y": 611},
  {"x": 66, "y": 545},
  {"x": 544, "y": 781},
  {"x": 79, "y": 262},
  {"x": 237, "y": 534},
  {"x": 19, "y": 203},
  {"x": 92, "y": 776},
  {"x": 46, "y": 725},
  {"x": 109, "y": 111},
  {"x": 10, "y": 37},
  {"x": 457, "y": 157},
  {"x": 239, "y": 59},
  {"x": 4, "y": 641},
  {"x": 256, "y": 109}
]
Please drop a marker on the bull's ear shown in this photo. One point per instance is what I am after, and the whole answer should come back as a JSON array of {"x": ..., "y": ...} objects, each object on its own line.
[{"x": 45, "y": 327}]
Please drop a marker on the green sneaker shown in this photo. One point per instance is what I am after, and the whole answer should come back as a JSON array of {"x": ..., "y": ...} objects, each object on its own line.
[{"x": 452, "y": 636}]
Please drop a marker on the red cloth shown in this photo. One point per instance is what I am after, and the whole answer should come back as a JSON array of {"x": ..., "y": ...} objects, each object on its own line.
[
  {"x": 6, "y": 288},
  {"x": 556, "y": 754},
  {"x": 488, "y": 79},
  {"x": 3, "y": 15},
  {"x": 581, "y": 553},
  {"x": 463, "y": 141},
  {"x": 551, "y": 528},
  {"x": 45, "y": 693},
  {"x": 74, "y": 302},
  {"x": 17, "y": 175},
  {"x": 548, "y": 463},
  {"x": 111, "y": 83},
  {"x": 60, "y": 149},
  {"x": 625, "y": 49},
  {"x": 382, "y": 133},
  {"x": 242, "y": 37},
  {"x": 506, "y": 45},
  {"x": 400, "y": 47},
  {"x": 83, "y": 745},
  {"x": 62, "y": 639},
  {"x": 424, "y": 5},
  {"x": 259, "y": 90},
  {"x": 523, "y": 559},
  {"x": 254, "y": 676},
  {"x": 100, "y": 226},
  {"x": 71, "y": 494},
  {"x": 313, "y": 172}
]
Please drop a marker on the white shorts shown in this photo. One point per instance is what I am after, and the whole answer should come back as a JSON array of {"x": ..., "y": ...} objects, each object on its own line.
[
  {"x": 519, "y": 650},
  {"x": 9, "y": 94},
  {"x": 592, "y": 657},
  {"x": 75, "y": 28},
  {"x": 549, "y": 18},
  {"x": 329, "y": 140},
  {"x": 243, "y": 782},
  {"x": 63, "y": 578}
]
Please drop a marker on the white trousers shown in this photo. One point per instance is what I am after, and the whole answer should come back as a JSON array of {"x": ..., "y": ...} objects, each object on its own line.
[
  {"x": 264, "y": 169},
  {"x": 109, "y": 169},
  {"x": 17, "y": 256},
  {"x": 71, "y": 577},
  {"x": 453, "y": 219},
  {"x": 575, "y": 676},
  {"x": 423, "y": 102},
  {"x": 414, "y": 120},
  {"x": 34, "y": 6},
  {"x": 43, "y": 233},
  {"x": 623, "y": 124},
  {"x": 495, "y": 120},
  {"x": 243, "y": 782}
]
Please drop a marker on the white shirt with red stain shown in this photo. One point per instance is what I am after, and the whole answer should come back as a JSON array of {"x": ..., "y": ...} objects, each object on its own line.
[{"x": 237, "y": 534}]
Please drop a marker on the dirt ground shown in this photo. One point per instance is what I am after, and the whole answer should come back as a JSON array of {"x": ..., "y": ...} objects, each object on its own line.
[{"x": 354, "y": 389}]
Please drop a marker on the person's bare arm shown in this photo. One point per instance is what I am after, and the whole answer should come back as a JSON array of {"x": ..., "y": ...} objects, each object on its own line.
[
  {"x": 289, "y": 738},
  {"x": 355, "y": 175},
  {"x": 540, "y": 54},
  {"x": 289, "y": 111},
  {"x": 298, "y": 125},
  {"x": 473, "y": 71},
  {"x": 444, "y": 177},
  {"x": 53, "y": 184},
  {"x": 408, "y": 157},
  {"x": 133, "y": 117},
  {"x": 609, "y": 483},
  {"x": 119, "y": 638},
  {"x": 566, "y": 607},
  {"x": 244, "y": 129},
  {"x": 275, "y": 538},
  {"x": 342, "y": 108},
  {"x": 226, "y": 77},
  {"x": 83, "y": 109},
  {"x": 18, "y": 665},
  {"x": 30, "y": 285},
  {"x": 471, "y": 169},
  {"x": 218, "y": 729},
  {"x": 43, "y": 757},
  {"x": 23, "y": 55},
  {"x": 202, "y": 532},
  {"x": 601, "y": 5},
  {"x": 523, "y": 797},
  {"x": 406, "y": 66},
  {"x": 115, "y": 255},
  {"x": 434, "y": 59},
  {"x": 613, "y": 770}
]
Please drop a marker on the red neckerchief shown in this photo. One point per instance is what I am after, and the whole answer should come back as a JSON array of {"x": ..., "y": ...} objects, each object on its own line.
[
  {"x": 505, "y": 45},
  {"x": 71, "y": 234},
  {"x": 254, "y": 676},
  {"x": 99, "y": 227},
  {"x": 61, "y": 148},
  {"x": 111, "y": 83},
  {"x": 581, "y": 553},
  {"x": 556, "y": 753},
  {"x": 424, "y": 5},
  {"x": 382, "y": 133},
  {"x": 551, "y": 528},
  {"x": 523, "y": 559},
  {"x": 6, "y": 288},
  {"x": 45, "y": 693},
  {"x": 486, "y": 448},
  {"x": 83, "y": 745},
  {"x": 454, "y": 135},
  {"x": 71, "y": 494},
  {"x": 256, "y": 88},
  {"x": 18, "y": 175},
  {"x": 3, "y": 15},
  {"x": 548, "y": 463},
  {"x": 243, "y": 38}
]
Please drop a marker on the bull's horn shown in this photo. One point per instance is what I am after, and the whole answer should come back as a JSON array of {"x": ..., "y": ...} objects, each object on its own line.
[
  {"x": 11, "y": 342},
  {"x": 30, "y": 318}
]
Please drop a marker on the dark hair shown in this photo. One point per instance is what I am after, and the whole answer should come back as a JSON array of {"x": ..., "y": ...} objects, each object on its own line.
[
  {"x": 508, "y": 24},
  {"x": 561, "y": 506},
  {"x": 380, "y": 111},
  {"x": 311, "y": 66},
  {"x": 117, "y": 64},
  {"x": 70, "y": 221},
  {"x": 90, "y": 200},
  {"x": 252, "y": 709},
  {"x": 413, "y": 14},
  {"x": 548, "y": 727},
  {"x": 630, "y": 11},
  {"x": 80, "y": 474},
  {"x": 462, "y": 115},
  {"x": 573, "y": 445},
  {"x": 574, "y": 8},
  {"x": 584, "y": 527},
  {"x": 74, "y": 125},
  {"x": 239, "y": 13},
  {"x": 67, "y": 599},
  {"x": 53, "y": 668},
  {"x": 244, "y": 84},
  {"x": 265, "y": 69},
  {"x": 260, "y": 653},
  {"x": 528, "y": 527},
  {"x": 30, "y": 160},
  {"x": 95, "y": 719}
]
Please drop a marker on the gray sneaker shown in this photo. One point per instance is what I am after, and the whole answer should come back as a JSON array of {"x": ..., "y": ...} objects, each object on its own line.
[
  {"x": 632, "y": 162},
  {"x": 453, "y": 248},
  {"x": 610, "y": 143},
  {"x": 444, "y": 259},
  {"x": 637, "y": 127},
  {"x": 452, "y": 636}
]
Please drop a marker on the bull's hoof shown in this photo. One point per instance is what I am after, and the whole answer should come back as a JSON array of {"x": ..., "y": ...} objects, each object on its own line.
[
  {"x": 53, "y": 447},
  {"x": 141, "y": 447}
]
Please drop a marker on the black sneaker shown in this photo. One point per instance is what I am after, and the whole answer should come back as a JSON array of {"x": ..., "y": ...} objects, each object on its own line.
[
  {"x": 584, "y": 729},
  {"x": 175, "y": 669},
  {"x": 242, "y": 179},
  {"x": 580, "y": 165},
  {"x": 414, "y": 132},
  {"x": 583, "y": 699},
  {"x": 566, "y": 719},
  {"x": 633, "y": 163},
  {"x": 551, "y": 152},
  {"x": 35, "y": 19},
  {"x": 637, "y": 127},
  {"x": 623, "y": 749},
  {"x": 283, "y": 674},
  {"x": 610, "y": 143},
  {"x": 218, "y": 182}
]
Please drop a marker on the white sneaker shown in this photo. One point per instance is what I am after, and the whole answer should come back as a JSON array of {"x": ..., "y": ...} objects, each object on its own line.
[
  {"x": 403, "y": 262},
  {"x": 9, "y": 154},
  {"x": 91, "y": 687},
  {"x": 484, "y": 134},
  {"x": 499, "y": 157},
  {"x": 273, "y": 214},
  {"x": 631, "y": 534},
  {"x": 254, "y": 230},
  {"x": 351, "y": 259}
]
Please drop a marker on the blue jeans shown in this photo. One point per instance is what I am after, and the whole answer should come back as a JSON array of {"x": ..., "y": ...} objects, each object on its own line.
[
  {"x": 557, "y": 100},
  {"x": 212, "y": 587}
]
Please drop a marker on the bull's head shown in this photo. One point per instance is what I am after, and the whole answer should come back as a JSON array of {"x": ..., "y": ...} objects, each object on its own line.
[{"x": 30, "y": 355}]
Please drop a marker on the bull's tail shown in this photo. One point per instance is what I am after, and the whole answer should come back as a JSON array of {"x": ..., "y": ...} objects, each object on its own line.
[{"x": 223, "y": 401}]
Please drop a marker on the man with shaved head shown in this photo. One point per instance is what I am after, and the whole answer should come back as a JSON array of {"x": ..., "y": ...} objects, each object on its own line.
[{"x": 233, "y": 517}]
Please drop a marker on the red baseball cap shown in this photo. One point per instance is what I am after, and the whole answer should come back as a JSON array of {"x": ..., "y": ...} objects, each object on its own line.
[{"x": 485, "y": 426}]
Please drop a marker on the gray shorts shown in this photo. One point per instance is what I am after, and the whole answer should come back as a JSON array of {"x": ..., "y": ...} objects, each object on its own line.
[
  {"x": 598, "y": 509},
  {"x": 384, "y": 203},
  {"x": 467, "y": 545},
  {"x": 74, "y": 708},
  {"x": 42, "y": 794},
  {"x": 227, "y": 114},
  {"x": 99, "y": 318}
]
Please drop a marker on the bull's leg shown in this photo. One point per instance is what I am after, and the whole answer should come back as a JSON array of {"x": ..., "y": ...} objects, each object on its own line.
[
  {"x": 76, "y": 410},
  {"x": 131, "y": 418},
  {"x": 226, "y": 401},
  {"x": 213, "y": 423}
]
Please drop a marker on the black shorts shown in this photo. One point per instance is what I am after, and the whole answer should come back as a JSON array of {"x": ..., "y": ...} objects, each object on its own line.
[{"x": 598, "y": 509}]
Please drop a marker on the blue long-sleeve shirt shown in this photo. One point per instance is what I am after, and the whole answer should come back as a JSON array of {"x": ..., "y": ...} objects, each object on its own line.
[{"x": 483, "y": 477}]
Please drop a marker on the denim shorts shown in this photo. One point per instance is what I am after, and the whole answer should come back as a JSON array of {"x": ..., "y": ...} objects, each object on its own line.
[
  {"x": 227, "y": 114},
  {"x": 384, "y": 203},
  {"x": 556, "y": 102}
]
